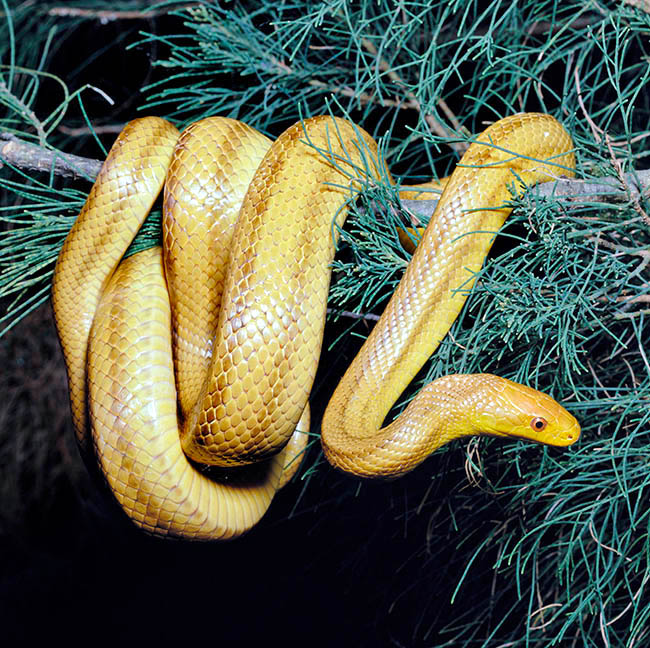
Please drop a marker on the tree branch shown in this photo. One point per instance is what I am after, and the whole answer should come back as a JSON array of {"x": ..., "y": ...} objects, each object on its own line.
[
  {"x": 116, "y": 14},
  {"x": 627, "y": 187},
  {"x": 623, "y": 188},
  {"x": 30, "y": 157}
]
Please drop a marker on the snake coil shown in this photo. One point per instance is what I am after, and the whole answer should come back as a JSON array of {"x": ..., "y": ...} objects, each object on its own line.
[{"x": 203, "y": 352}]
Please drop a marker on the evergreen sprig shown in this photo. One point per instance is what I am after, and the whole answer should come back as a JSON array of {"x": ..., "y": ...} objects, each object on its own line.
[{"x": 560, "y": 539}]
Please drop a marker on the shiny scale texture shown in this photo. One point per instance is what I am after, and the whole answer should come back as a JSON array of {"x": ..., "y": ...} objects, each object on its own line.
[
  {"x": 427, "y": 301},
  {"x": 205, "y": 352}
]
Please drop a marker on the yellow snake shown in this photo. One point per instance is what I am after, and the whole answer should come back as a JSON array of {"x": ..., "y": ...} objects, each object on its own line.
[{"x": 204, "y": 352}]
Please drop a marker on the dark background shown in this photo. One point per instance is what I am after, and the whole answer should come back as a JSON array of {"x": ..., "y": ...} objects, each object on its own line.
[
  {"x": 326, "y": 566},
  {"x": 333, "y": 562}
]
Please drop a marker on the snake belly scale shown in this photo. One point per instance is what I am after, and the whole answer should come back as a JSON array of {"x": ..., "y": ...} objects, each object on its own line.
[{"x": 203, "y": 352}]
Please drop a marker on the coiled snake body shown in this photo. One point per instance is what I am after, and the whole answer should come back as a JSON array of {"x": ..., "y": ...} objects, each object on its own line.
[{"x": 205, "y": 353}]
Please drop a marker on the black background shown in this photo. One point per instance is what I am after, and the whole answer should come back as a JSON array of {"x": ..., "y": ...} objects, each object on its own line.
[{"x": 332, "y": 563}]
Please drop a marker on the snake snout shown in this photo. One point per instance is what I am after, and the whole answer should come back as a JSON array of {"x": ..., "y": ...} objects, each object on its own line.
[
  {"x": 540, "y": 418},
  {"x": 567, "y": 430}
]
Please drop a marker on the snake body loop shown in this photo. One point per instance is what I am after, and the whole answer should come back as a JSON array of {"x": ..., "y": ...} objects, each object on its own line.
[
  {"x": 221, "y": 372},
  {"x": 428, "y": 299}
]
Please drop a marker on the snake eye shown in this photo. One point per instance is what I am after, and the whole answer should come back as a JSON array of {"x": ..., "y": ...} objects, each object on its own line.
[{"x": 538, "y": 423}]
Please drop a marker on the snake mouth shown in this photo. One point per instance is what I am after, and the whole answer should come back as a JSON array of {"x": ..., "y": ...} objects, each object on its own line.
[{"x": 565, "y": 433}]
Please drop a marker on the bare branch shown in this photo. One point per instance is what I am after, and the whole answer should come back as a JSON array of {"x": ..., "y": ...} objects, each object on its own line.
[
  {"x": 629, "y": 187},
  {"x": 624, "y": 188},
  {"x": 24, "y": 155},
  {"x": 105, "y": 16}
]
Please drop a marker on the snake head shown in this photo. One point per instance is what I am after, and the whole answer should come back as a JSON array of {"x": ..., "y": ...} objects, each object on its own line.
[{"x": 509, "y": 409}]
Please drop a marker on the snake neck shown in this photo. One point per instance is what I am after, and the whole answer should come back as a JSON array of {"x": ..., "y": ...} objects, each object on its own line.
[
  {"x": 446, "y": 409},
  {"x": 430, "y": 296}
]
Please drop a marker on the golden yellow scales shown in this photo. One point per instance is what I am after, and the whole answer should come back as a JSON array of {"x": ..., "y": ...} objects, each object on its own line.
[{"x": 204, "y": 351}]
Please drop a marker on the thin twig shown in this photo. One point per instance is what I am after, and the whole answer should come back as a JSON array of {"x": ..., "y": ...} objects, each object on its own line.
[
  {"x": 21, "y": 154},
  {"x": 366, "y": 316},
  {"x": 544, "y": 26},
  {"x": 626, "y": 187},
  {"x": 24, "y": 110},
  {"x": 85, "y": 130},
  {"x": 595, "y": 131},
  {"x": 105, "y": 16},
  {"x": 621, "y": 176}
]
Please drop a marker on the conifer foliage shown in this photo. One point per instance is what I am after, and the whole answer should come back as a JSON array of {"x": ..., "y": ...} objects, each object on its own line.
[{"x": 535, "y": 547}]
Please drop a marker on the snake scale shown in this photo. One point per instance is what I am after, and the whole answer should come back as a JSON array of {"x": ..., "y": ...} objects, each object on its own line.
[{"x": 202, "y": 352}]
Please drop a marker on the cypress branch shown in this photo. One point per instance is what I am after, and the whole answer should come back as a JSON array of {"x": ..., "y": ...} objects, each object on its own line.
[
  {"x": 30, "y": 157},
  {"x": 624, "y": 188},
  {"x": 551, "y": 548}
]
